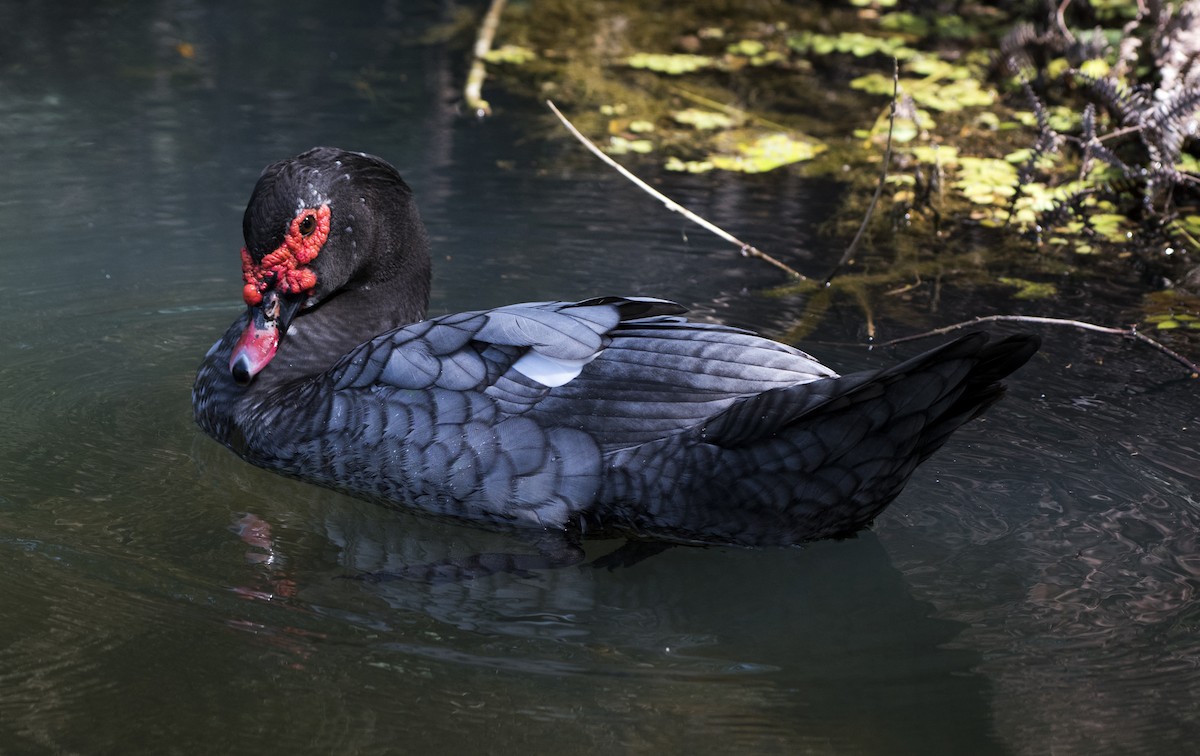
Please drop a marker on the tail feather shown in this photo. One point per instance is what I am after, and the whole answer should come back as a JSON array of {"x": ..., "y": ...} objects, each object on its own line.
[
  {"x": 822, "y": 459},
  {"x": 982, "y": 388},
  {"x": 968, "y": 370}
]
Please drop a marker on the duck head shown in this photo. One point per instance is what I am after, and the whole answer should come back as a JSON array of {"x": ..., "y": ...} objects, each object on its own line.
[{"x": 328, "y": 225}]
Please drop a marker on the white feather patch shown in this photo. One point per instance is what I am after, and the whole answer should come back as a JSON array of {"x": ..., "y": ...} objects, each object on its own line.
[{"x": 550, "y": 371}]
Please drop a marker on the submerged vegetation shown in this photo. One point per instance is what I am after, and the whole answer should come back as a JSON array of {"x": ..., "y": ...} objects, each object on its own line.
[{"x": 1061, "y": 129}]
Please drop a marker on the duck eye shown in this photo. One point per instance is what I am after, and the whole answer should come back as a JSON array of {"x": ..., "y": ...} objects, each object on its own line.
[{"x": 307, "y": 225}]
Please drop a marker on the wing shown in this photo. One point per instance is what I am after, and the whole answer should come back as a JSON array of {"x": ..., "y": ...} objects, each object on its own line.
[
  {"x": 545, "y": 342},
  {"x": 660, "y": 377},
  {"x": 622, "y": 370}
]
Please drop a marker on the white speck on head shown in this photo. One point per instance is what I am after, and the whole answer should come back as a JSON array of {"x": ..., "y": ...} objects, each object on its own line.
[
  {"x": 338, "y": 163},
  {"x": 315, "y": 199}
]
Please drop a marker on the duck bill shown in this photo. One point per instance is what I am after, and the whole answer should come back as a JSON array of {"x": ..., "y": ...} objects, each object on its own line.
[{"x": 256, "y": 348}]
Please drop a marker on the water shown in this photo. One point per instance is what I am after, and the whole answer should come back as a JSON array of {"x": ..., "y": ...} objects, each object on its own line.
[{"x": 1032, "y": 591}]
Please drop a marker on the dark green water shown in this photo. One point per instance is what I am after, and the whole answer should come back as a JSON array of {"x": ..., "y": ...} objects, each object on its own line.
[{"x": 1033, "y": 590}]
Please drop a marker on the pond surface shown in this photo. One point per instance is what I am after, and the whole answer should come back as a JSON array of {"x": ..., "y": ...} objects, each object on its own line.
[{"x": 1032, "y": 591}]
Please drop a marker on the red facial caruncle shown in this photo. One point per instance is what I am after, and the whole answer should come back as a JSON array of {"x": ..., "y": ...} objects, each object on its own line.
[{"x": 286, "y": 269}]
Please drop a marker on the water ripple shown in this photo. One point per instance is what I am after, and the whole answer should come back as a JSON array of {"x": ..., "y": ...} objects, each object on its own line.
[{"x": 1081, "y": 549}]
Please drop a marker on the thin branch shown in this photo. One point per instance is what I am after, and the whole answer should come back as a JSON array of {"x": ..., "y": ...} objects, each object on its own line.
[
  {"x": 1129, "y": 333},
  {"x": 1118, "y": 133},
  {"x": 904, "y": 289},
  {"x": 746, "y": 249},
  {"x": 473, "y": 91},
  {"x": 887, "y": 160},
  {"x": 1060, "y": 19}
]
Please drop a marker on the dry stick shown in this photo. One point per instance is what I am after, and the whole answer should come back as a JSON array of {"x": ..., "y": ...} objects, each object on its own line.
[
  {"x": 1129, "y": 333},
  {"x": 746, "y": 249},
  {"x": 1060, "y": 18},
  {"x": 887, "y": 160},
  {"x": 473, "y": 91}
]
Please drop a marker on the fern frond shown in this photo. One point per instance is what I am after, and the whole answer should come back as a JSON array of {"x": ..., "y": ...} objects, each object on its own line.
[
  {"x": 1170, "y": 122},
  {"x": 1124, "y": 103}
]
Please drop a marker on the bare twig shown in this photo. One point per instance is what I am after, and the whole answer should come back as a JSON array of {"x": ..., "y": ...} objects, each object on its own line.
[
  {"x": 746, "y": 249},
  {"x": 904, "y": 289},
  {"x": 887, "y": 160},
  {"x": 1060, "y": 20},
  {"x": 473, "y": 91},
  {"x": 1129, "y": 333}
]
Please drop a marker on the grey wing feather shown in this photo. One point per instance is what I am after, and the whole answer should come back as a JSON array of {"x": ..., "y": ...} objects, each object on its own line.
[
  {"x": 467, "y": 350},
  {"x": 665, "y": 376}
]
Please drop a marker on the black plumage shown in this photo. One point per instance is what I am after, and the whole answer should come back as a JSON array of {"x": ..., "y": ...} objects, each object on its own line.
[{"x": 608, "y": 415}]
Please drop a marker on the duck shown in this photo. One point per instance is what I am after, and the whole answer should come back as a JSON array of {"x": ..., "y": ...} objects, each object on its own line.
[{"x": 614, "y": 415}]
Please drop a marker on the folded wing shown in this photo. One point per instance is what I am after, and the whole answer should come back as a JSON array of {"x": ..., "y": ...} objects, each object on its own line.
[{"x": 622, "y": 370}]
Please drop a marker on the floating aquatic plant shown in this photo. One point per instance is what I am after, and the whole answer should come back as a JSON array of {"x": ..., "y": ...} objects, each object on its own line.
[
  {"x": 669, "y": 64},
  {"x": 758, "y": 154},
  {"x": 853, "y": 43},
  {"x": 688, "y": 166},
  {"x": 944, "y": 88},
  {"x": 703, "y": 119},
  {"x": 1029, "y": 289},
  {"x": 747, "y": 47},
  {"x": 618, "y": 145},
  {"x": 511, "y": 54}
]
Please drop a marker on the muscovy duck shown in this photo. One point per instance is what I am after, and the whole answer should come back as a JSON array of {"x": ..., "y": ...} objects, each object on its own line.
[{"x": 611, "y": 415}]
